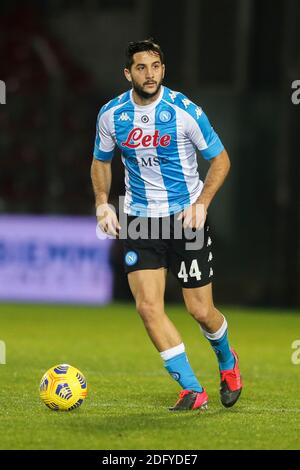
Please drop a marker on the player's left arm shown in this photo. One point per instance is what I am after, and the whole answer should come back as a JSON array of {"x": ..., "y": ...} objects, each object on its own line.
[
  {"x": 216, "y": 175},
  {"x": 203, "y": 136}
]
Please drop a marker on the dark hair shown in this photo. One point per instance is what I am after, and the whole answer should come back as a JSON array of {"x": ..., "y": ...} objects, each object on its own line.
[{"x": 141, "y": 46}]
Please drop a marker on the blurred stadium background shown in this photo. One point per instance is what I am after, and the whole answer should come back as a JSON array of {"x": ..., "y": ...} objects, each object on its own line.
[{"x": 61, "y": 60}]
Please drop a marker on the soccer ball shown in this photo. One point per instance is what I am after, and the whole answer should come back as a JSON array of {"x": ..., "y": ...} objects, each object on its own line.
[{"x": 63, "y": 387}]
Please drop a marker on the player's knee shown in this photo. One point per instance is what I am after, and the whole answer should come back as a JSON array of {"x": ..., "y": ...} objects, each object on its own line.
[
  {"x": 200, "y": 311},
  {"x": 148, "y": 310}
]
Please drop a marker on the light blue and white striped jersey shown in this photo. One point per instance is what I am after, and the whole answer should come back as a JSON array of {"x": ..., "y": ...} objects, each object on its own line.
[{"x": 158, "y": 144}]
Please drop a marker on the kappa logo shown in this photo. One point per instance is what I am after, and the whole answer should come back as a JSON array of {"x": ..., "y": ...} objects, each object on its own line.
[
  {"x": 124, "y": 117},
  {"x": 198, "y": 111},
  {"x": 186, "y": 102},
  {"x": 211, "y": 272},
  {"x": 209, "y": 242},
  {"x": 173, "y": 95},
  {"x": 210, "y": 256}
]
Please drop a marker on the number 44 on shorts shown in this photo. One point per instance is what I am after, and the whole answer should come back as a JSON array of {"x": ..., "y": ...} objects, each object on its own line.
[{"x": 193, "y": 272}]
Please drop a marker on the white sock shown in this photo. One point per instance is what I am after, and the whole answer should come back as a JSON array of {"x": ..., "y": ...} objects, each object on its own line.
[
  {"x": 218, "y": 334},
  {"x": 172, "y": 352}
]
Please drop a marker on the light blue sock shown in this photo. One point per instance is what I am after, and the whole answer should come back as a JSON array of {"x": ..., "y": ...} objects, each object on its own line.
[
  {"x": 220, "y": 344},
  {"x": 178, "y": 366}
]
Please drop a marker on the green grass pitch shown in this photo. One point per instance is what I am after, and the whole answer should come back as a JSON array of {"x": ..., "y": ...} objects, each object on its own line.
[{"x": 129, "y": 390}]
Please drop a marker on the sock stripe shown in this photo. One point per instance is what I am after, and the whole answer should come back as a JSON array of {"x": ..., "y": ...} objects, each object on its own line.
[
  {"x": 172, "y": 352},
  {"x": 218, "y": 334},
  {"x": 220, "y": 344}
]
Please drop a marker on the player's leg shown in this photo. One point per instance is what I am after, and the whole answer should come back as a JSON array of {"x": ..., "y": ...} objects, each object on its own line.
[
  {"x": 194, "y": 270},
  {"x": 199, "y": 303},
  {"x": 148, "y": 288}
]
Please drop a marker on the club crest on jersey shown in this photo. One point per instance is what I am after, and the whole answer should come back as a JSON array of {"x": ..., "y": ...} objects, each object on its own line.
[
  {"x": 136, "y": 138},
  {"x": 131, "y": 258},
  {"x": 165, "y": 116}
]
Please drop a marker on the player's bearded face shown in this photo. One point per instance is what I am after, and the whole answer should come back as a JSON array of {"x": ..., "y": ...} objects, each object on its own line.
[
  {"x": 143, "y": 89},
  {"x": 146, "y": 74}
]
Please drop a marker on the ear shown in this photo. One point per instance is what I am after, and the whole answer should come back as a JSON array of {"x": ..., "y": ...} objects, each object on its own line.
[
  {"x": 127, "y": 75},
  {"x": 164, "y": 70}
]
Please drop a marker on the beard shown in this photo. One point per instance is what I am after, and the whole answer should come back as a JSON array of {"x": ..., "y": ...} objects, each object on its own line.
[{"x": 145, "y": 94}]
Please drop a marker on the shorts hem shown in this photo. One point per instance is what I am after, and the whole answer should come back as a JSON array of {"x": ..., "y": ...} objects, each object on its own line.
[
  {"x": 144, "y": 268},
  {"x": 205, "y": 283}
]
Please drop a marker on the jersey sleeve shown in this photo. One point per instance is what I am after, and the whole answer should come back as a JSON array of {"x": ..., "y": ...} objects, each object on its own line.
[
  {"x": 202, "y": 134},
  {"x": 104, "y": 142}
]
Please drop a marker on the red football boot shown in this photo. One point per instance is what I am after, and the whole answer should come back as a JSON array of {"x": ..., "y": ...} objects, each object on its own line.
[
  {"x": 231, "y": 384},
  {"x": 191, "y": 400}
]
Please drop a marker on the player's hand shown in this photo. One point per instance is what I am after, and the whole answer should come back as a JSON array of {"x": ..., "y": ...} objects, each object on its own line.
[
  {"x": 193, "y": 216},
  {"x": 108, "y": 220}
]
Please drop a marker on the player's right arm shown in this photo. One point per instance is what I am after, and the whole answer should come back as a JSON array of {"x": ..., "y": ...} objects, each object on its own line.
[{"x": 101, "y": 175}]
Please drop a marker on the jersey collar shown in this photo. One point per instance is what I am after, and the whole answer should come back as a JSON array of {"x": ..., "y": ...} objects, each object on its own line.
[{"x": 148, "y": 106}]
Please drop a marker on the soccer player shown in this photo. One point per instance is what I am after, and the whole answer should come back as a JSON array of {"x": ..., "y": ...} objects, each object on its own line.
[{"x": 158, "y": 131}]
